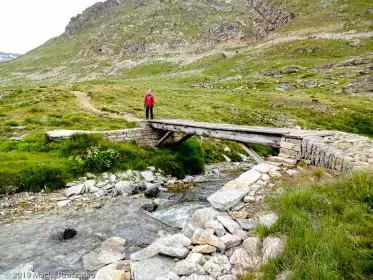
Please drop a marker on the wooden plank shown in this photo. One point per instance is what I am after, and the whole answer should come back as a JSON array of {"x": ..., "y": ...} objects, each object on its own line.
[
  {"x": 185, "y": 138},
  {"x": 227, "y": 127},
  {"x": 164, "y": 138},
  {"x": 253, "y": 154},
  {"x": 255, "y": 138}
]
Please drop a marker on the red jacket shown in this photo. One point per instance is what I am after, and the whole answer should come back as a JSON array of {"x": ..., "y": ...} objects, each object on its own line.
[{"x": 149, "y": 100}]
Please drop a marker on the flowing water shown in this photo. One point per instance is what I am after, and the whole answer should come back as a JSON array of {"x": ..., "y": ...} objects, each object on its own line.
[{"x": 31, "y": 239}]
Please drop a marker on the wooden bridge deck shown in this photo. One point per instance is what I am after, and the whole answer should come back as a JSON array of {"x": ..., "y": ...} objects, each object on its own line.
[{"x": 268, "y": 136}]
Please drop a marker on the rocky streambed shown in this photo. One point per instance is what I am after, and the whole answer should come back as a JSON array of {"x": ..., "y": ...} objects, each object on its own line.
[{"x": 34, "y": 228}]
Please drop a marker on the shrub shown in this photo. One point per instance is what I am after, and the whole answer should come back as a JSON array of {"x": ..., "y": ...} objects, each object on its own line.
[
  {"x": 96, "y": 159},
  {"x": 78, "y": 144},
  {"x": 235, "y": 157},
  {"x": 318, "y": 172},
  {"x": 33, "y": 179}
]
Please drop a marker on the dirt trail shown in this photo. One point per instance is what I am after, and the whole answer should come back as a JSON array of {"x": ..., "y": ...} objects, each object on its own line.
[{"x": 84, "y": 102}]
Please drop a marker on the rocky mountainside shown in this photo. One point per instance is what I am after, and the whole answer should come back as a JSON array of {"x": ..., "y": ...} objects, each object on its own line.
[{"x": 7, "y": 56}]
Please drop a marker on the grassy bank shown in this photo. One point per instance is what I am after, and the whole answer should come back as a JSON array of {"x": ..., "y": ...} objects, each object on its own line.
[
  {"x": 32, "y": 165},
  {"x": 329, "y": 229}
]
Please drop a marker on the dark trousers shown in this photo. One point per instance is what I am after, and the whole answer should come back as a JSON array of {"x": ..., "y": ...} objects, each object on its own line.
[{"x": 149, "y": 110}]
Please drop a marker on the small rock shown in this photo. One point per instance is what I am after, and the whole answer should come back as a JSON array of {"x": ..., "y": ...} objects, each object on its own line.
[
  {"x": 204, "y": 249},
  {"x": 112, "y": 178},
  {"x": 229, "y": 223},
  {"x": 218, "y": 266},
  {"x": 63, "y": 203},
  {"x": 227, "y": 159},
  {"x": 227, "y": 149},
  {"x": 151, "y": 168},
  {"x": 90, "y": 176},
  {"x": 196, "y": 258},
  {"x": 148, "y": 176},
  {"x": 204, "y": 237},
  {"x": 216, "y": 226},
  {"x": 230, "y": 240},
  {"x": 284, "y": 275},
  {"x": 247, "y": 224},
  {"x": 150, "y": 207},
  {"x": 185, "y": 268},
  {"x": 249, "y": 199},
  {"x": 292, "y": 172}
]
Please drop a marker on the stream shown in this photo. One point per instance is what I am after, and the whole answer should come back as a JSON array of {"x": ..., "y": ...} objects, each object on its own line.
[{"x": 32, "y": 238}]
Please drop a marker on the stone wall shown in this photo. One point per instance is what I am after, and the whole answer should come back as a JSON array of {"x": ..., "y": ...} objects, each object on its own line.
[
  {"x": 143, "y": 135},
  {"x": 340, "y": 151}
]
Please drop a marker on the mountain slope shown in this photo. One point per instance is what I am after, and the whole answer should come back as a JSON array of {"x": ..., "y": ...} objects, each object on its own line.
[
  {"x": 7, "y": 56},
  {"x": 114, "y": 38}
]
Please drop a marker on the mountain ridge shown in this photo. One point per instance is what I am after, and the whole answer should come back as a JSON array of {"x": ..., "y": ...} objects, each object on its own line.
[{"x": 8, "y": 56}]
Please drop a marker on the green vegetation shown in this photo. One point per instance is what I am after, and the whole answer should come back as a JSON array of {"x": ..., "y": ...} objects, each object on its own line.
[
  {"x": 32, "y": 165},
  {"x": 329, "y": 229}
]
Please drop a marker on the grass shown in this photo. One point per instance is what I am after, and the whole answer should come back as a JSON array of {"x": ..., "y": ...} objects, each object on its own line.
[{"x": 328, "y": 227}]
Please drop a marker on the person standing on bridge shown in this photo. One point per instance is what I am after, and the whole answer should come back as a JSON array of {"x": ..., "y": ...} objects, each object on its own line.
[{"x": 149, "y": 104}]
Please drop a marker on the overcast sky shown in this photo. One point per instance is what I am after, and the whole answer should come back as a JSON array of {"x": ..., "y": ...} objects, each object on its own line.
[{"x": 27, "y": 24}]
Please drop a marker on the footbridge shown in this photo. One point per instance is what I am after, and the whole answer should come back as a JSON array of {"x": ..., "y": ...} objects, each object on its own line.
[{"x": 331, "y": 149}]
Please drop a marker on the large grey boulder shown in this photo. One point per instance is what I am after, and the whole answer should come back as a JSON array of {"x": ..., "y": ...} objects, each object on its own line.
[
  {"x": 230, "y": 240},
  {"x": 253, "y": 247},
  {"x": 234, "y": 191},
  {"x": 247, "y": 224},
  {"x": 152, "y": 268},
  {"x": 127, "y": 187},
  {"x": 118, "y": 270},
  {"x": 109, "y": 251},
  {"x": 151, "y": 190}
]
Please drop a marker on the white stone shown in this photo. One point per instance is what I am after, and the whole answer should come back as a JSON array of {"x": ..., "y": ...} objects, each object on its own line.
[
  {"x": 199, "y": 220},
  {"x": 105, "y": 272},
  {"x": 148, "y": 176},
  {"x": 247, "y": 224},
  {"x": 263, "y": 167},
  {"x": 198, "y": 277},
  {"x": 203, "y": 237},
  {"x": 267, "y": 219},
  {"x": 112, "y": 178},
  {"x": 185, "y": 267},
  {"x": 272, "y": 248},
  {"x": 292, "y": 172},
  {"x": 253, "y": 247},
  {"x": 233, "y": 192},
  {"x": 227, "y": 277},
  {"x": 152, "y": 268},
  {"x": 240, "y": 258},
  {"x": 109, "y": 251},
  {"x": 216, "y": 226},
  {"x": 196, "y": 258},
  {"x": 265, "y": 178},
  {"x": 227, "y": 149},
  {"x": 229, "y": 223},
  {"x": 227, "y": 159},
  {"x": 284, "y": 275},
  {"x": 90, "y": 184},
  {"x": 79, "y": 189},
  {"x": 63, "y": 203},
  {"x": 230, "y": 240},
  {"x": 204, "y": 249},
  {"x": 275, "y": 174},
  {"x": 218, "y": 266},
  {"x": 249, "y": 199}
]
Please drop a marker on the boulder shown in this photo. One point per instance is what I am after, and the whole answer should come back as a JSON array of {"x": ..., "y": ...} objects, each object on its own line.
[
  {"x": 186, "y": 268},
  {"x": 233, "y": 192},
  {"x": 242, "y": 260},
  {"x": 229, "y": 223},
  {"x": 267, "y": 219},
  {"x": 218, "y": 266},
  {"x": 253, "y": 247},
  {"x": 169, "y": 245},
  {"x": 90, "y": 184},
  {"x": 216, "y": 226},
  {"x": 63, "y": 203},
  {"x": 272, "y": 248},
  {"x": 127, "y": 187},
  {"x": 148, "y": 176},
  {"x": 204, "y": 237},
  {"x": 204, "y": 249},
  {"x": 115, "y": 271},
  {"x": 264, "y": 167},
  {"x": 199, "y": 277},
  {"x": 230, "y": 240},
  {"x": 247, "y": 224},
  {"x": 78, "y": 189},
  {"x": 109, "y": 251},
  {"x": 199, "y": 220},
  {"x": 196, "y": 258},
  {"x": 152, "y": 268},
  {"x": 151, "y": 190}
]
